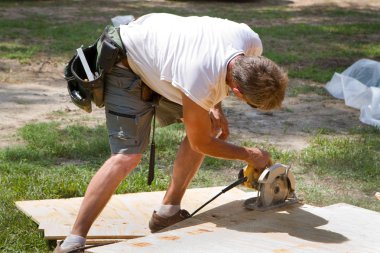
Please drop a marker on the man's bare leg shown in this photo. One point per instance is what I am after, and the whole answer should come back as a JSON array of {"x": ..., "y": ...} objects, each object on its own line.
[
  {"x": 186, "y": 165},
  {"x": 101, "y": 188}
]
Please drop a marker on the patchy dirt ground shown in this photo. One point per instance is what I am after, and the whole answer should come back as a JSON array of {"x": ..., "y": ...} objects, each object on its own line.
[
  {"x": 34, "y": 92},
  {"x": 37, "y": 92}
]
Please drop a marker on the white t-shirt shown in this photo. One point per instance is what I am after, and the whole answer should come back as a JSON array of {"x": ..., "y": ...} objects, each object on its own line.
[{"x": 189, "y": 54}]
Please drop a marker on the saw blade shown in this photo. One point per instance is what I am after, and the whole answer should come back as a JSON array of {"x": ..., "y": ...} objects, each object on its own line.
[{"x": 275, "y": 192}]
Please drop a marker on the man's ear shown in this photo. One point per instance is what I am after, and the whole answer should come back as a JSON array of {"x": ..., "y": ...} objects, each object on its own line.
[{"x": 237, "y": 92}]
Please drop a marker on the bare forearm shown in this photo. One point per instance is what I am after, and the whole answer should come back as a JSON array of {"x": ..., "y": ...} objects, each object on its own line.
[
  {"x": 221, "y": 149},
  {"x": 202, "y": 139},
  {"x": 218, "y": 148}
]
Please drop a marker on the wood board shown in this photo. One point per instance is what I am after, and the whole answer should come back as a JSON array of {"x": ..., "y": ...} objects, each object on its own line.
[
  {"x": 125, "y": 216},
  {"x": 338, "y": 228}
]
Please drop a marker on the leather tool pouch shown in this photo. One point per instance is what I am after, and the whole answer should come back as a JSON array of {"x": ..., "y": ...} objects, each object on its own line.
[
  {"x": 108, "y": 57},
  {"x": 101, "y": 57},
  {"x": 75, "y": 75}
]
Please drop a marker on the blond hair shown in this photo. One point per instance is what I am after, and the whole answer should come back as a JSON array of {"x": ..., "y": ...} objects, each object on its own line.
[{"x": 261, "y": 81}]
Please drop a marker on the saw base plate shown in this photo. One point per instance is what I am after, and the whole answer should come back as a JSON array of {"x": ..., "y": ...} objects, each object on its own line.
[{"x": 254, "y": 204}]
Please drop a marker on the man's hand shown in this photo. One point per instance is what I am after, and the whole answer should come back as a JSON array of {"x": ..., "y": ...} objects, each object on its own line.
[
  {"x": 258, "y": 158},
  {"x": 219, "y": 123},
  {"x": 252, "y": 174}
]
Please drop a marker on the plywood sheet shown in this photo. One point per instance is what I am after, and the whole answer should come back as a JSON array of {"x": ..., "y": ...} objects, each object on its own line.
[
  {"x": 125, "y": 216},
  {"x": 300, "y": 228}
]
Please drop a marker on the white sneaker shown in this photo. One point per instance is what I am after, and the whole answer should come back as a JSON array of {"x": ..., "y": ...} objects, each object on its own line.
[{"x": 74, "y": 249}]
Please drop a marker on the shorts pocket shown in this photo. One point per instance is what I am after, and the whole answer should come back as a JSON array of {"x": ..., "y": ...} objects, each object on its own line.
[
  {"x": 128, "y": 133},
  {"x": 122, "y": 128}
]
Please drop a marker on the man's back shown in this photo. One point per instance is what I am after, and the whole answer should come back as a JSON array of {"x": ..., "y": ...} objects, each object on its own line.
[{"x": 187, "y": 53}]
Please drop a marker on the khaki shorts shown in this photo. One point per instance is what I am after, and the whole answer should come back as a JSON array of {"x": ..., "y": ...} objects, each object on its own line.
[{"x": 128, "y": 117}]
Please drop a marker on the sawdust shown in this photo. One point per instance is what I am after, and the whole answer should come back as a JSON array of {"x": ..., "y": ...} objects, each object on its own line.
[
  {"x": 281, "y": 251},
  {"x": 141, "y": 244},
  {"x": 169, "y": 238},
  {"x": 199, "y": 231}
]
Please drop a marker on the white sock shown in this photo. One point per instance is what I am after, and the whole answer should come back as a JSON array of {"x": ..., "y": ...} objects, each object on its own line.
[
  {"x": 166, "y": 211},
  {"x": 73, "y": 241}
]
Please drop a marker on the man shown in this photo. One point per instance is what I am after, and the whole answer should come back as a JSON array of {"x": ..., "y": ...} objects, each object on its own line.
[{"x": 192, "y": 63}]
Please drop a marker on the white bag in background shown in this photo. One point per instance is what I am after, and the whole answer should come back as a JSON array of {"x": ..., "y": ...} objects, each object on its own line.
[
  {"x": 371, "y": 114},
  {"x": 122, "y": 20},
  {"x": 359, "y": 86}
]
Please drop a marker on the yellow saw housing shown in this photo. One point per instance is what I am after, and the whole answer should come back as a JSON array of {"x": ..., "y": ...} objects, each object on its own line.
[{"x": 252, "y": 175}]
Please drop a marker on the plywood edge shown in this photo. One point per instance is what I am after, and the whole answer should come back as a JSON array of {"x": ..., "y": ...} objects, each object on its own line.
[
  {"x": 20, "y": 205},
  {"x": 97, "y": 238}
]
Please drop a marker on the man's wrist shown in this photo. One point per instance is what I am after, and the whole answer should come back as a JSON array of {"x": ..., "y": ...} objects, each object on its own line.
[{"x": 246, "y": 155}]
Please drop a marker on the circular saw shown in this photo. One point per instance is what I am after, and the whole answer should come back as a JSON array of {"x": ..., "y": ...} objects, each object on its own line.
[
  {"x": 276, "y": 188},
  {"x": 275, "y": 184}
]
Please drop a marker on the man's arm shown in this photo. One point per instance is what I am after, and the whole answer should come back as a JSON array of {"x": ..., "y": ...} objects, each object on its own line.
[{"x": 199, "y": 132}]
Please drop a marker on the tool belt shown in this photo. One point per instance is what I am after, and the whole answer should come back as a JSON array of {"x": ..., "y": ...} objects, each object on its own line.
[{"x": 99, "y": 57}]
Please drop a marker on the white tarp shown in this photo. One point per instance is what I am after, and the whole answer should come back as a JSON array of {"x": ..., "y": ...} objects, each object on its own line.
[{"x": 359, "y": 86}]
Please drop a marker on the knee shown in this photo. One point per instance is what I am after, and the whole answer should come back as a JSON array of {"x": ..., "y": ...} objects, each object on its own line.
[{"x": 124, "y": 163}]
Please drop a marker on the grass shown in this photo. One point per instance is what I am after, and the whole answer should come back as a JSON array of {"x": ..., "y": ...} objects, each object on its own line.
[
  {"x": 351, "y": 162},
  {"x": 310, "y": 57},
  {"x": 45, "y": 37},
  {"x": 356, "y": 158}
]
